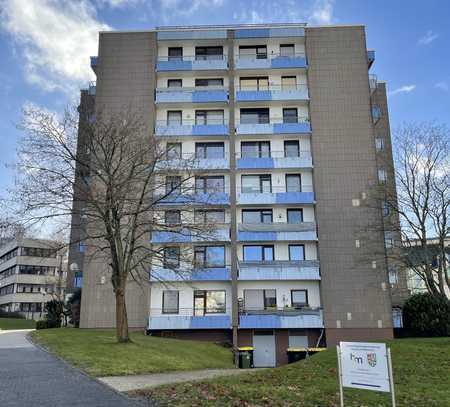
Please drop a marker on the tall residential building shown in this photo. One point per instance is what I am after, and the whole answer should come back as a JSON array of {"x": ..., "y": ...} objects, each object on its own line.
[
  {"x": 292, "y": 135},
  {"x": 32, "y": 272}
]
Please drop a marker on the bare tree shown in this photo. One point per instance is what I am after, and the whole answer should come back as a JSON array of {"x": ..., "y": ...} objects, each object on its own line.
[
  {"x": 113, "y": 176},
  {"x": 421, "y": 201}
]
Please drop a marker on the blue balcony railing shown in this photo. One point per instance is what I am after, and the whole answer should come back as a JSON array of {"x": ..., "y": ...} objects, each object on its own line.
[
  {"x": 190, "y": 128},
  {"x": 247, "y": 94},
  {"x": 275, "y": 159},
  {"x": 195, "y": 199},
  {"x": 278, "y": 231},
  {"x": 281, "y": 318},
  {"x": 190, "y": 235},
  {"x": 192, "y": 63},
  {"x": 279, "y": 270},
  {"x": 191, "y": 95},
  {"x": 271, "y": 61},
  {"x": 189, "y": 162},
  {"x": 276, "y": 126},
  {"x": 204, "y": 274},
  {"x": 277, "y": 195},
  {"x": 188, "y": 318},
  {"x": 273, "y": 32}
]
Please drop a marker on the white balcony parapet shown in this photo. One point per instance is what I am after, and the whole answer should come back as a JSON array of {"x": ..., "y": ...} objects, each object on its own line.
[{"x": 279, "y": 270}]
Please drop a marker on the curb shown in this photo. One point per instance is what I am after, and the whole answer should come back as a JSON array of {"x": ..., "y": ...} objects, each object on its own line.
[{"x": 67, "y": 364}]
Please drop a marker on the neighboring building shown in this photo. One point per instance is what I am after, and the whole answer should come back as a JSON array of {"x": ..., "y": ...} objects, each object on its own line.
[
  {"x": 415, "y": 283},
  {"x": 32, "y": 272},
  {"x": 292, "y": 134}
]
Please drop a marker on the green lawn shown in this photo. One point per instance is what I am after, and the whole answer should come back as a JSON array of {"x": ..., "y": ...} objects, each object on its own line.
[
  {"x": 98, "y": 353},
  {"x": 421, "y": 375},
  {"x": 16, "y": 323}
]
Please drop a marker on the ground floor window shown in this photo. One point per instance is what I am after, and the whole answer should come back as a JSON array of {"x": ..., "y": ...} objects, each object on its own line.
[
  {"x": 209, "y": 302},
  {"x": 397, "y": 318},
  {"x": 170, "y": 302}
]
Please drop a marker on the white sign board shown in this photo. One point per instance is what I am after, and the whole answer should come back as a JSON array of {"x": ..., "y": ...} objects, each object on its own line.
[{"x": 364, "y": 366}]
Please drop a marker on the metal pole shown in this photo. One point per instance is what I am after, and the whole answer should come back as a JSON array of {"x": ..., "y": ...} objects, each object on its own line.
[
  {"x": 341, "y": 390},
  {"x": 391, "y": 377}
]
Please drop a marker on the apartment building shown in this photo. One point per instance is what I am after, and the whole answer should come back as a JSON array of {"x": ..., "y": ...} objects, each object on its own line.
[
  {"x": 284, "y": 122},
  {"x": 32, "y": 272}
]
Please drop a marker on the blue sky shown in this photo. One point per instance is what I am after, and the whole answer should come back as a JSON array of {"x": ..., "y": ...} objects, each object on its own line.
[{"x": 45, "y": 47}]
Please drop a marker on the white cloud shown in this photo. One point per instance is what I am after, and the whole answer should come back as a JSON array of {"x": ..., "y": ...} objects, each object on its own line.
[
  {"x": 171, "y": 9},
  {"x": 55, "y": 40},
  {"x": 118, "y": 3},
  {"x": 403, "y": 89},
  {"x": 442, "y": 86},
  {"x": 428, "y": 38},
  {"x": 322, "y": 12}
]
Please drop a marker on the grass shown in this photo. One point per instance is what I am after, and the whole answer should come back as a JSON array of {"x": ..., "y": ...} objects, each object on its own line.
[
  {"x": 98, "y": 353},
  {"x": 421, "y": 375},
  {"x": 16, "y": 323}
]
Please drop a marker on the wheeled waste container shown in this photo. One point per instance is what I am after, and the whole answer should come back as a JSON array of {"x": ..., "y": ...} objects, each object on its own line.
[{"x": 245, "y": 357}]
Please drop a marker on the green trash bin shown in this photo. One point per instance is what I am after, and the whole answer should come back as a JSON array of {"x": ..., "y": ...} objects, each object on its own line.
[
  {"x": 245, "y": 357},
  {"x": 296, "y": 354}
]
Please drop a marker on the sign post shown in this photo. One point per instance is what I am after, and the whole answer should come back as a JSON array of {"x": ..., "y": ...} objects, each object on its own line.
[{"x": 365, "y": 366}]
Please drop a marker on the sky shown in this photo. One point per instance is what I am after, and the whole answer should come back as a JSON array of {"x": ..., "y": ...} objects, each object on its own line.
[{"x": 45, "y": 47}]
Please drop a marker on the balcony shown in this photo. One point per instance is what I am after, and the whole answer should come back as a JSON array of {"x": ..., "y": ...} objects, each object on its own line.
[
  {"x": 206, "y": 274},
  {"x": 272, "y": 61},
  {"x": 376, "y": 113},
  {"x": 94, "y": 62},
  {"x": 195, "y": 199},
  {"x": 274, "y": 92},
  {"x": 185, "y": 319},
  {"x": 190, "y": 235},
  {"x": 190, "y": 128},
  {"x": 278, "y": 231},
  {"x": 370, "y": 58},
  {"x": 277, "y": 159},
  {"x": 191, "y": 95},
  {"x": 281, "y": 318},
  {"x": 191, "y": 34},
  {"x": 279, "y": 270},
  {"x": 276, "y": 126},
  {"x": 189, "y": 162},
  {"x": 373, "y": 82},
  {"x": 192, "y": 63},
  {"x": 277, "y": 195},
  {"x": 273, "y": 32}
]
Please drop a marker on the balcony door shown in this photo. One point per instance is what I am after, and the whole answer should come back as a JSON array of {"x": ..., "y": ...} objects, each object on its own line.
[{"x": 253, "y": 52}]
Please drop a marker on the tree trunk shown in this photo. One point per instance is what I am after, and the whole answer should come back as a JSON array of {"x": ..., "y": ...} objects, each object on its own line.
[{"x": 121, "y": 316}]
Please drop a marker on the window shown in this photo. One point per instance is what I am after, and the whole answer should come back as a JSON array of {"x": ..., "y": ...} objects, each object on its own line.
[
  {"x": 379, "y": 143},
  {"x": 257, "y": 216},
  {"x": 209, "y": 82},
  {"x": 256, "y": 183},
  {"x": 174, "y": 83},
  {"x": 254, "y": 116},
  {"x": 208, "y": 53},
  {"x": 381, "y": 175},
  {"x": 37, "y": 252},
  {"x": 257, "y": 300},
  {"x": 295, "y": 216},
  {"x": 173, "y": 184},
  {"x": 254, "y": 83},
  {"x": 172, "y": 217},
  {"x": 253, "y": 51},
  {"x": 209, "y": 302},
  {"x": 290, "y": 115},
  {"x": 287, "y": 50},
  {"x": 175, "y": 53},
  {"x": 259, "y": 253},
  {"x": 397, "y": 318},
  {"x": 209, "y": 216},
  {"x": 255, "y": 149},
  {"x": 209, "y": 150},
  {"x": 171, "y": 257},
  {"x": 173, "y": 151},
  {"x": 288, "y": 82},
  {"x": 211, "y": 184},
  {"x": 293, "y": 183},
  {"x": 170, "y": 302},
  {"x": 393, "y": 276},
  {"x": 299, "y": 298},
  {"x": 386, "y": 208},
  {"x": 291, "y": 148},
  {"x": 209, "y": 117},
  {"x": 296, "y": 252},
  {"x": 209, "y": 256},
  {"x": 174, "y": 118},
  {"x": 388, "y": 241}
]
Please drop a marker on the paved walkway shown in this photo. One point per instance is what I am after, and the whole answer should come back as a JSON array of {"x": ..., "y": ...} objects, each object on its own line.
[
  {"x": 128, "y": 383},
  {"x": 31, "y": 377}
]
